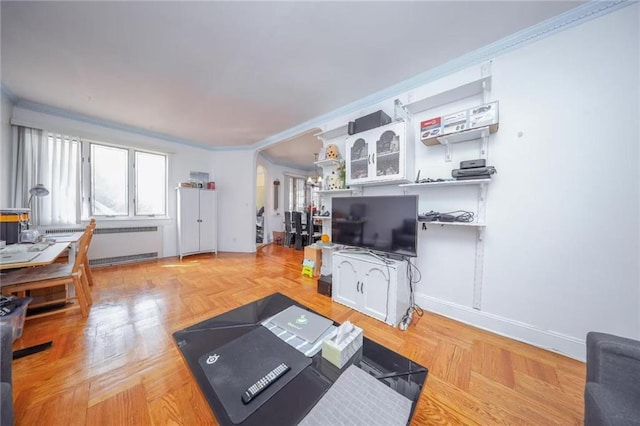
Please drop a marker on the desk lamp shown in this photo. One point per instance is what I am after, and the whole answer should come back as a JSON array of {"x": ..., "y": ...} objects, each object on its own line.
[
  {"x": 37, "y": 191},
  {"x": 30, "y": 236}
]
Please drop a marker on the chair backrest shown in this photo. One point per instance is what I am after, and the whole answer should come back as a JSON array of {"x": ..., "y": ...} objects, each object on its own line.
[
  {"x": 297, "y": 222},
  {"x": 83, "y": 246},
  {"x": 287, "y": 222}
]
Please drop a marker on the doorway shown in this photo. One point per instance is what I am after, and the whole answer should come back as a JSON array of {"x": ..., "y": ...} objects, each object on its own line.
[{"x": 260, "y": 204}]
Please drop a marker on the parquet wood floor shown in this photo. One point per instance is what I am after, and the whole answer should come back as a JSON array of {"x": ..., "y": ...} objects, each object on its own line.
[{"x": 120, "y": 365}]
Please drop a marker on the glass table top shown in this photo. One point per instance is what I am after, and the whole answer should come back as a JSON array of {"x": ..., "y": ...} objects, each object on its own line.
[{"x": 290, "y": 405}]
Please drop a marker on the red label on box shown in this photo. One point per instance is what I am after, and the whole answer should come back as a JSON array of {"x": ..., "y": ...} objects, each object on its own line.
[{"x": 430, "y": 123}]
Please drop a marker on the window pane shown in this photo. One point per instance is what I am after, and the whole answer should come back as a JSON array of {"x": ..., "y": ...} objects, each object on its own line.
[
  {"x": 109, "y": 181},
  {"x": 150, "y": 183}
]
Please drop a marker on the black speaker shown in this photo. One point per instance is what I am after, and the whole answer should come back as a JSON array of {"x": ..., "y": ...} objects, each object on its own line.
[
  {"x": 368, "y": 122},
  {"x": 324, "y": 285}
]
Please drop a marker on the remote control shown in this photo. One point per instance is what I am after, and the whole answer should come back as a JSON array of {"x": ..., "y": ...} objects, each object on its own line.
[{"x": 264, "y": 383}]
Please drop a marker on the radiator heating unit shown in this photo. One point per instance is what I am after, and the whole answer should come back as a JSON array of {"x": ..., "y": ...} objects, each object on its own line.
[{"x": 115, "y": 246}]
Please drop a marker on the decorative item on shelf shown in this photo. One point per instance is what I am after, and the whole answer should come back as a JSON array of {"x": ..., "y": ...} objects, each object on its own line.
[
  {"x": 276, "y": 185},
  {"x": 332, "y": 152},
  {"x": 333, "y": 181},
  {"x": 342, "y": 173},
  {"x": 312, "y": 209}
]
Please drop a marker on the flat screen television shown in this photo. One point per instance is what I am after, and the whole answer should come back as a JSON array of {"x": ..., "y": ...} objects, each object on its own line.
[{"x": 387, "y": 224}]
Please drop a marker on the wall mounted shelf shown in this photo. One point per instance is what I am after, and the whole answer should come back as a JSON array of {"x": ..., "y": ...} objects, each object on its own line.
[
  {"x": 408, "y": 186},
  {"x": 337, "y": 191},
  {"x": 327, "y": 163},
  {"x": 472, "y": 88},
  {"x": 475, "y": 224},
  {"x": 333, "y": 133}
]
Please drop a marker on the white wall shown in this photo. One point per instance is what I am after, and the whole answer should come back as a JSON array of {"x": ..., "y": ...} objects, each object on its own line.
[
  {"x": 563, "y": 213},
  {"x": 6, "y": 108}
]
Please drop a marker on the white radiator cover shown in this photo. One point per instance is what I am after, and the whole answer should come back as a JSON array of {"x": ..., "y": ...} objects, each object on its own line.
[{"x": 111, "y": 246}]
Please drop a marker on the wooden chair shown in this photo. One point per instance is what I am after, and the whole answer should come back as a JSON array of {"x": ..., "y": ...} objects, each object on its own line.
[
  {"x": 85, "y": 265},
  {"x": 22, "y": 280}
]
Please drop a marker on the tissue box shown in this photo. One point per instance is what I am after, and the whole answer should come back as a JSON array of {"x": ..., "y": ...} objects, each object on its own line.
[{"x": 340, "y": 354}]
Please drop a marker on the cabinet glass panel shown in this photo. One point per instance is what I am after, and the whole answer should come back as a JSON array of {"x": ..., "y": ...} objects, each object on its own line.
[
  {"x": 359, "y": 156},
  {"x": 388, "y": 154}
]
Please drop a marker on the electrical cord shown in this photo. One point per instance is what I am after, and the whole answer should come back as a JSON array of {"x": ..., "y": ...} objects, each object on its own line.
[
  {"x": 453, "y": 216},
  {"x": 413, "y": 308}
]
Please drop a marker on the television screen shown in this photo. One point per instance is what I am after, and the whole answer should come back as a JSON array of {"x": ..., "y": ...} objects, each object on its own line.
[{"x": 383, "y": 223}]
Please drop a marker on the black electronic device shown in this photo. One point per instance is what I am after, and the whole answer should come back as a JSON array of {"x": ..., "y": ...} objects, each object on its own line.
[
  {"x": 382, "y": 223},
  {"x": 255, "y": 389},
  {"x": 324, "y": 285},
  {"x": 470, "y": 164},
  {"x": 368, "y": 122},
  {"x": 473, "y": 172}
]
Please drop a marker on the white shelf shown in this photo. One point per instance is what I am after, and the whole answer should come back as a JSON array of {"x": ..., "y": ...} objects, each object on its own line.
[
  {"x": 476, "y": 224},
  {"x": 447, "y": 183},
  {"x": 326, "y": 163},
  {"x": 322, "y": 217},
  {"x": 336, "y": 191},
  {"x": 332, "y": 133},
  {"x": 475, "y": 87}
]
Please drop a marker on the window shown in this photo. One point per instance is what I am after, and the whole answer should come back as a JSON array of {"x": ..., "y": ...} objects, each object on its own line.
[
  {"x": 151, "y": 185},
  {"x": 297, "y": 193},
  {"x": 126, "y": 182},
  {"x": 109, "y": 181}
]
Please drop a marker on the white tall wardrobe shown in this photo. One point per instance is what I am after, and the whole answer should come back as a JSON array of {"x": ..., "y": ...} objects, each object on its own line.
[{"x": 197, "y": 221}]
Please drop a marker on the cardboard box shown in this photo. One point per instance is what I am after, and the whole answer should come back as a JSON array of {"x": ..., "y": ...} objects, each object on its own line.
[
  {"x": 430, "y": 129},
  {"x": 456, "y": 122},
  {"x": 314, "y": 253},
  {"x": 278, "y": 237},
  {"x": 485, "y": 115}
]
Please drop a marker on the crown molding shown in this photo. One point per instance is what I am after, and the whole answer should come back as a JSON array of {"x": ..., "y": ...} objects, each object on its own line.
[
  {"x": 8, "y": 93},
  {"x": 569, "y": 19}
]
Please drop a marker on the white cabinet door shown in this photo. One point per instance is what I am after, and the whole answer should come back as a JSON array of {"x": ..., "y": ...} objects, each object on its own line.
[
  {"x": 377, "y": 289},
  {"x": 377, "y": 155},
  {"x": 208, "y": 231},
  {"x": 371, "y": 286},
  {"x": 188, "y": 216},
  {"x": 346, "y": 283}
]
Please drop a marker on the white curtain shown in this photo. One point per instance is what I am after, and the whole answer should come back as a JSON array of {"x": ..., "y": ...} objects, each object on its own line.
[{"x": 54, "y": 161}]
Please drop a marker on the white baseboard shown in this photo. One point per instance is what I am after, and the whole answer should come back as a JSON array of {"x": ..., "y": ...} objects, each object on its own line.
[{"x": 549, "y": 340}]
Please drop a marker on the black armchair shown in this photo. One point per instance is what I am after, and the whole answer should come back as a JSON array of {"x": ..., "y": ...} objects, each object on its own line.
[{"x": 612, "y": 391}]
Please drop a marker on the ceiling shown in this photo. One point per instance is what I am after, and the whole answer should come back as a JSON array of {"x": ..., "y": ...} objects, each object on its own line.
[{"x": 231, "y": 74}]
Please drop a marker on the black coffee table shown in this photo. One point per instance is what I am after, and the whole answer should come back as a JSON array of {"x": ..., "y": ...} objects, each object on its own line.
[{"x": 290, "y": 405}]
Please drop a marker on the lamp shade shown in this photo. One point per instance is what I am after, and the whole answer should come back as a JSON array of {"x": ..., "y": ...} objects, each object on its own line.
[{"x": 39, "y": 191}]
